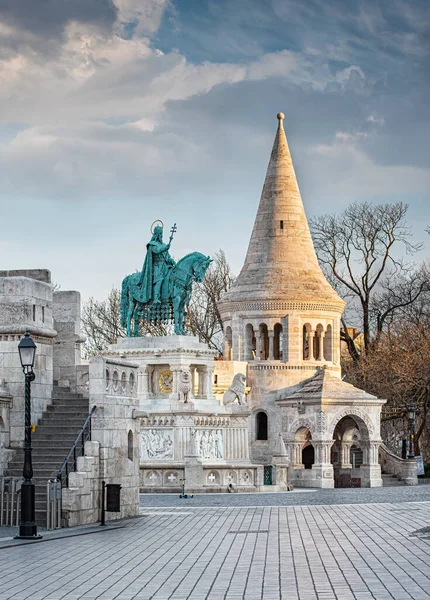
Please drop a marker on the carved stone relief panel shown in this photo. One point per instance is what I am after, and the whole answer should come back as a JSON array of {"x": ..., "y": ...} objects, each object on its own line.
[
  {"x": 156, "y": 444},
  {"x": 152, "y": 478},
  {"x": 246, "y": 477},
  {"x": 210, "y": 443}
]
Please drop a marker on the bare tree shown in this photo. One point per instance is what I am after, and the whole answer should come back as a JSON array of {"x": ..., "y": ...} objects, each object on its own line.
[
  {"x": 204, "y": 319},
  {"x": 358, "y": 252},
  {"x": 404, "y": 293},
  {"x": 101, "y": 323},
  {"x": 397, "y": 369}
]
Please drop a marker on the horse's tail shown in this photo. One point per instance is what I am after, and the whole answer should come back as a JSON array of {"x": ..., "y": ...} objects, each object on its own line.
[{"x": 124, "y": 301}]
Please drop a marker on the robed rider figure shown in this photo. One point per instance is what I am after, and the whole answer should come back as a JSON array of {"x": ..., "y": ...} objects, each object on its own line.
[{"x": 158, "y": 263}]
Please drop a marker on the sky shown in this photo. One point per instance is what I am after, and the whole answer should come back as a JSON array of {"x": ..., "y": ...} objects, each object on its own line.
[{"x": 115, "y": 113}]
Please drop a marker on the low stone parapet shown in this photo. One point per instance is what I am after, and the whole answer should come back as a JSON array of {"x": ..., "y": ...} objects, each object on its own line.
[{"x": 404, "y": 469}]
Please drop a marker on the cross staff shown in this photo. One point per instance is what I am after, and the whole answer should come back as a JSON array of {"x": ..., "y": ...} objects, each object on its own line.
[{"x": 172, "y": 233}]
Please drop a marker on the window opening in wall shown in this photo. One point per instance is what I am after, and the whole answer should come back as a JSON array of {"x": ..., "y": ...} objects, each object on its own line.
[
  {"x": 261, "y": 423},
  {"x": 281, "y": 224},
  {"x": 34, "y": 312},
  {"x": 215, "y": 379},
  {"x": 130, "y": 445},
  {"x": 277, "y": 341},
  {"x": 43, "y": 314},
  {"x": 328, "y": 344},
  {"x": 263, "y": 353},
  {"x": 305, "y": 343}
]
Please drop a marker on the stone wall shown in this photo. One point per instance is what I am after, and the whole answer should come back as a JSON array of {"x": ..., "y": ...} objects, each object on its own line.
[
  {"x": 66, "y": 310},
  {"x": 81, "y": 501},
  {"x": 26, "y": 303},
  {"x": 113, "y": 389},
  {"x": 404, "y": 469}
]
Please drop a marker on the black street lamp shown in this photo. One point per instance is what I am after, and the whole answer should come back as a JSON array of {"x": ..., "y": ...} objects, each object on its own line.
[
  {"x": 411, "y": 417},
  {"x": 27, "y": 526}
]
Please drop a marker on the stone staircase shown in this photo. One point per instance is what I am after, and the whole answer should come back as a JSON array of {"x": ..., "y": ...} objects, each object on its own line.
[{"x": 55, "y": 435}]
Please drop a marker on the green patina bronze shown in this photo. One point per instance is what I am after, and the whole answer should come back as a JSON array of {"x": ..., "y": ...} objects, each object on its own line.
[{"x": 161, "y": 292}]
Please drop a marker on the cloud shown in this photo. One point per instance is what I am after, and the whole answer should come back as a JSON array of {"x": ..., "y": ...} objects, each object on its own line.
[
  {"x": 357, "y": 177},
  {"x": 144, "y": 15},
  {"x": 50, "y": 17},
  {"x": 109, "y": 110},
  {"x": 376, "y": 120}
]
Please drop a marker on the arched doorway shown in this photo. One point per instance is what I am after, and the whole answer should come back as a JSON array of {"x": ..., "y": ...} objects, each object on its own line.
[
  {"x": 349, "y": 451},
  {"x": 308, "y": 456}
]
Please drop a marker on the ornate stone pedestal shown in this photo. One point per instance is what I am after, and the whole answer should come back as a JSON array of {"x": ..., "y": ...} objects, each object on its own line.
[{"x": 178, "y": 411}]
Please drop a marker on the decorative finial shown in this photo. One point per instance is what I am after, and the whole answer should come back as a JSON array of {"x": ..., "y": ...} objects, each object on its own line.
[{"x": 281, "y": 116}]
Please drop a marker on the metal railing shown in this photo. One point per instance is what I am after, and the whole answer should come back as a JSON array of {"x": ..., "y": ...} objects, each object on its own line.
[
  {"x": 53, "y": 504},
  {"x": 10, "y": 501},
  {"x": 70, "y": 462}
]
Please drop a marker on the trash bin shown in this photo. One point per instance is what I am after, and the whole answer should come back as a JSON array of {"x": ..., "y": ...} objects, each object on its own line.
[{"x": 113, "y": 496}]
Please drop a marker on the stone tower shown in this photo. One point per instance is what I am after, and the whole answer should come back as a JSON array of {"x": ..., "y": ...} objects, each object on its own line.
[
  {"x": 282, "y": 322},
  {"x": 281, "y": 315}
]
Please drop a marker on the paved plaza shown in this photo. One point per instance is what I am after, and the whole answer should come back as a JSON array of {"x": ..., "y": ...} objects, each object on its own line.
[{"x": 302, "y": 545}]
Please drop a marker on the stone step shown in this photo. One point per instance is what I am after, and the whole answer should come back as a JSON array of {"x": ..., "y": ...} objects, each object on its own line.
[
  {"x": 80, "y": 402},
  {"x": 61, "y": 411},
  {"x": 50, "y": 430},
  {"x": 67, "y": 396},
  {"x": 56, "y": 445},
  {"x": 68, "y": 423},
  {"x": 57, "y": 430}
]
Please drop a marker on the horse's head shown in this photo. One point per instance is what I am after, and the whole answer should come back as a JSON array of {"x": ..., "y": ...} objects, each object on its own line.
[{"x": 200, "y": 268}]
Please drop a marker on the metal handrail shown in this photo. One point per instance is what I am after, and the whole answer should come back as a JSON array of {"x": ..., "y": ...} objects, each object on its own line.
[{"x": 72, "y": 452}]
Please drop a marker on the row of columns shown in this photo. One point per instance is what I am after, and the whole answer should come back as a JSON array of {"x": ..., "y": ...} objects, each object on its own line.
[
  {"x": 320, "y": 344},
  {"x": 323, "y": 453},
  {"x": 239, "y": 346}
]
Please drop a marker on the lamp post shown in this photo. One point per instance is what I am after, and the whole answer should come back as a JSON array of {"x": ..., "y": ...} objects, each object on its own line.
[
  {"x": 27, "y": 526},
  {"x": 411, "y": 417}
]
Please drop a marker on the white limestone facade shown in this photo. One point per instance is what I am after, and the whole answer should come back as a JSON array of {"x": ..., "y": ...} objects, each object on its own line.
[
  {"x": 26, "y": 298},
  {"x": 282, "y": 317},
  {"x": 185, "y": 432}
]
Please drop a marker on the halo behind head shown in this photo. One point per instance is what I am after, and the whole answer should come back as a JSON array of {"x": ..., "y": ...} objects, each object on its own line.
[{"x": 156, "y": 221}]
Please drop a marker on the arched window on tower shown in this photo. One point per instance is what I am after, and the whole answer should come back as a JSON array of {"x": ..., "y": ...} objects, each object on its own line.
[
  {"x": 277, "y": 342},
  {"x": 318, "y": 342},
  {"x": 264, "y": 342},
  {"x": 306, "y": 337},
  {"x": 261, "y": 426},
  {"x": 250, "y": 342},
  {"x": 328, "y": 344},
  {"x": 228, "y": 339}
]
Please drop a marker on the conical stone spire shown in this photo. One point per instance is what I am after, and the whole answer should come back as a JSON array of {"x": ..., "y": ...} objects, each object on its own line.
[{"x": 281, "y": 263}]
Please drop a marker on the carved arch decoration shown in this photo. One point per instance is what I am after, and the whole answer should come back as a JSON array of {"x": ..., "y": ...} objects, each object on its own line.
[
  {"x": 366, "y": 432},
  {"x": 299, "y": 424}
]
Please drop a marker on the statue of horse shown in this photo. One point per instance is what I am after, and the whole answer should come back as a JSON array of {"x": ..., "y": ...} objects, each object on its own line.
[{"x": 175, "y": 295}]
